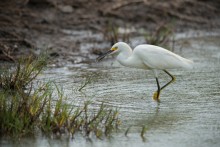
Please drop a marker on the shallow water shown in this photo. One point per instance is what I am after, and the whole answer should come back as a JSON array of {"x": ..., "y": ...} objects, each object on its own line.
[{"x": 189, "y": 112}]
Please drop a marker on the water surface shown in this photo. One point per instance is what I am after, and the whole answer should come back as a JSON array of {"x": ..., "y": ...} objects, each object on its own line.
[{"x": 189, "y": 112}]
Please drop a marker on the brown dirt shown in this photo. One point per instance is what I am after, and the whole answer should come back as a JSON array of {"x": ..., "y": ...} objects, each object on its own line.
[{"x": 26, "y": 24}]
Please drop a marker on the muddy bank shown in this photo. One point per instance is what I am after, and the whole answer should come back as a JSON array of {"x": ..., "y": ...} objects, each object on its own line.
[{"x": 68, "y": 28}]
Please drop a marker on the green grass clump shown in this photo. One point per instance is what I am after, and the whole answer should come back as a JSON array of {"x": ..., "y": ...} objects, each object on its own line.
[
  {"x": 20, "y": 111},
  {"x": 26, "y": 70},
  {"x": 25, "y": 110}
]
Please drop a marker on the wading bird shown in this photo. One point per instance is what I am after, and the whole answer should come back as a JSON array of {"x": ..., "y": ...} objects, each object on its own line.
[{"x": 150, "y": 57}]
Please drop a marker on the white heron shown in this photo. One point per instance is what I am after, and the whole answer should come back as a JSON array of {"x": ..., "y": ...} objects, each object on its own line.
[{"x": 149, "y": 57}]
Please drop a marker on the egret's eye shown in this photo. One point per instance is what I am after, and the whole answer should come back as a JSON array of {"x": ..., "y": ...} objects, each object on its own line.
[{"x": 114, "y": 48}]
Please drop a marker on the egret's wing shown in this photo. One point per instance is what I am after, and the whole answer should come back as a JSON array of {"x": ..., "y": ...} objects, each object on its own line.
[{"x": 158, "y": 58}]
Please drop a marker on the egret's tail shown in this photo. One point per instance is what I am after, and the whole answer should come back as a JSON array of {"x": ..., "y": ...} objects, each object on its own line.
[{"x": 188, "y": 63}]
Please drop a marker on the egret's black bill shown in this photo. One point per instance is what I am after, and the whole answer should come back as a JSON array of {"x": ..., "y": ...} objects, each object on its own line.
[{"x": 103, "y": 55}]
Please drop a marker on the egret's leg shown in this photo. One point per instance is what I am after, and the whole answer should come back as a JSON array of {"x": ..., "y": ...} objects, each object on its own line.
[
  {"x": 157, "y": 93},
  {"x": 172, "y": 80}
]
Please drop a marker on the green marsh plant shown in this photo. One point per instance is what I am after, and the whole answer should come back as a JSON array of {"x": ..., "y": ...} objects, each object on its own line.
[
  {"x": 26, "y": 110},
  {"x": 26, "y": 70}
]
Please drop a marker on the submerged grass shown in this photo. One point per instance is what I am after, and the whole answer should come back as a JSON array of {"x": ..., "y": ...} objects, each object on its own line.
[{"x": 25, "y": 110}]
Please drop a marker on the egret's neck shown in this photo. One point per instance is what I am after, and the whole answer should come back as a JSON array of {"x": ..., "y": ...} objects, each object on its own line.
[{"x": 123, "y": 56}]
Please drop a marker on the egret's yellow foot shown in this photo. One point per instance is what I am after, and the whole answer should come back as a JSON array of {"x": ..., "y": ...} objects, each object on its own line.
[
  {"x": 174, "y": 79},
  {"x": 156, "y": 96}
]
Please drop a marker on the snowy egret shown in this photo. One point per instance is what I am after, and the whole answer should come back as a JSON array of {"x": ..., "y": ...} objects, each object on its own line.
[{"x": 151, "y": 57}]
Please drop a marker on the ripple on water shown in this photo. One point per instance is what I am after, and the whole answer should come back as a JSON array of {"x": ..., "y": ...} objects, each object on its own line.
[{"x": 188, "y": 114}]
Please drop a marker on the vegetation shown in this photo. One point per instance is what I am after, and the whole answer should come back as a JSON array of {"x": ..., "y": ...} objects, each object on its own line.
[
  {"x": 112, "y": 34},
  {"x": 161, "y": 36},
  {"x": 24, "y": 110},
  {"x": 22, "y": 76}
]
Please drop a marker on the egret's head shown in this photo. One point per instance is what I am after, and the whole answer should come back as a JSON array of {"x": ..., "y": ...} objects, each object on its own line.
[{"x": 116, "y": 48}]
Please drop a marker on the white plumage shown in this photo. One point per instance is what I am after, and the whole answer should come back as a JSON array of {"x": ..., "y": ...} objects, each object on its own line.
[{"x": 149, "y": 57}]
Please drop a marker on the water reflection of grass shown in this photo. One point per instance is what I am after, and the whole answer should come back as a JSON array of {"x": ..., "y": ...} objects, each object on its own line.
[{"x": 26, "y": 108}]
